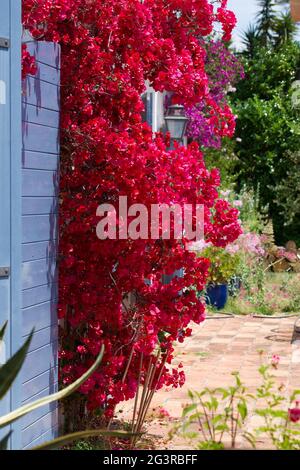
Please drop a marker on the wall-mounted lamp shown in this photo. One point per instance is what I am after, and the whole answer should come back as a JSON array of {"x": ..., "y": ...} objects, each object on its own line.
[{"x": 176, "y": 122}]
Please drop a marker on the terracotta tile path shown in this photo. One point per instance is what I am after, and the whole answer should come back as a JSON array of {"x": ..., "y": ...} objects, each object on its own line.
[{"x": 217, "y": 348}]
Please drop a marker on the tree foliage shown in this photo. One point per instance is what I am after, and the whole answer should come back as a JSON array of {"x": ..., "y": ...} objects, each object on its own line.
[{"x": 267, "y": 125}]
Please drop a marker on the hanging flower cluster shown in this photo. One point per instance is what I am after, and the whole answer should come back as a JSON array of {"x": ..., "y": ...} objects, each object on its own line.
[
  {"x": 111, "y": 292},
  {"x": 28, "y": 63},
  {"x": 212, "y": 119}
]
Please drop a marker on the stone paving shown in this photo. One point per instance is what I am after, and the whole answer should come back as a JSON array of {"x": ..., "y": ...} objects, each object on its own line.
[{"x": 217, "y": 348}]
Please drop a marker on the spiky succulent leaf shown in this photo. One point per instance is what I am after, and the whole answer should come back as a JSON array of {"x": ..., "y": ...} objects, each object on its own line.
[
  {"x": 64, "y": 440},
  {"x": 24, "y": 410},
  {"x": 10, "y": 370},
  {"x": 2, "y": 331},
  {"x": 4, "y": 441}
]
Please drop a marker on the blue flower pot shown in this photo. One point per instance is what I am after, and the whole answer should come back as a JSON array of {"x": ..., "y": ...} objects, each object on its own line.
[{"x": 217, "y": 295}]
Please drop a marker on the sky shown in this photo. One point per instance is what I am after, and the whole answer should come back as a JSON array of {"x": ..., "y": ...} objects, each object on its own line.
[{"x": 245, "y": 11}]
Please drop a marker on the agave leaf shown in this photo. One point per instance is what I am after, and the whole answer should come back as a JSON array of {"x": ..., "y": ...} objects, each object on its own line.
[
  {"x": 63, "y": 440},
  {"x": 10, "y": 370},
  {"x": 2, "y": 331},
  {"x": 24, "y": 410},
  {"x": 4, "y": 441}
]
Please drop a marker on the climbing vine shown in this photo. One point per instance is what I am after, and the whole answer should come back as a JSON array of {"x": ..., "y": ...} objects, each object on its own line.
[{"x": 110, "y": 292}]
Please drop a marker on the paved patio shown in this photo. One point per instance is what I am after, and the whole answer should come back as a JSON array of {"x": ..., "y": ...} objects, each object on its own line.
[{"x": 217, "y": 348}]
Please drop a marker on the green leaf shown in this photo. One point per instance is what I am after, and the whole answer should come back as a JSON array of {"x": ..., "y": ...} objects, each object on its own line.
[
  {"x": 214, "y": 403},
  {"x": 2, "y": 331},
  {"x": 295, "y": 395},
  {"x": 278, "y": 414},
  {"x": 10, "y": 370},
  {"x": 237, "y": 378},
  {"x": 242, "y": 407},
  {"x": 262, "y": 413},
  {"x": 191, "y": 435},
  {"x": 4, "y": 441},
  {"x": 250, "y": 395},
  {"x": 186, "y": 426},
  {"x": 210, "y": 445},
  {"x": 273, "y": 413},
  {"x": 216, "y": 419},
  {"x": 250, "y": 438},
  {"x": 225, "y": 393},
  {"x": 67, "y": 439},
  {"x": 24, "y": 410},
  {"x": 222, "y": 427},
  {"x": 195, "y": 417},
  {"x": 188, "y": 409}
]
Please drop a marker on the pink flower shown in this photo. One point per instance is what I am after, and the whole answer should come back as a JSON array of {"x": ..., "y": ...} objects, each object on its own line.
[
  {"x": 289, "y": 255},
  {"x": 163, "y": 413},
  {"x": 238, "y": 203},
  {"x": 275, "y": 361},
  {"x": 294, "y": 413},
  {"x": 249, "y": 243},
  {"x": 292, "y": 257},
  {"x": 225, "y": 194},
  {"x": 281, "y": 252},
  {"x": 199, "y": 245},
  {"x": 232, "y": 249}
]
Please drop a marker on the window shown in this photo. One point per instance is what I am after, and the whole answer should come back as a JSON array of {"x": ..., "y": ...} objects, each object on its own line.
[
  {"x": 147, "y": 115},
  {"x": 154, "y": 108}
]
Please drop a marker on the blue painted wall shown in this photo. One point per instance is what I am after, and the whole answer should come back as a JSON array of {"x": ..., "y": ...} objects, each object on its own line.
[
  {"x": 29, "y": 169},
  {"x": 40, "y": 179},
  {"x": 10, "y": 184}
]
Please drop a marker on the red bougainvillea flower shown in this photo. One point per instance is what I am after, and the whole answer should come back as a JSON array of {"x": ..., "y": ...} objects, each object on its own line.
[
  {"x": 275, "y": 361},
  {"x": 111, "y": 292},
  {"x": 28, "y": 63}
]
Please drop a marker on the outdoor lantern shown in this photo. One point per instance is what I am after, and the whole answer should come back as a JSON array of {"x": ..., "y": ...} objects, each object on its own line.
[
  {"x": 176, "y": 121},
  {"x": 296, "y": 91}
]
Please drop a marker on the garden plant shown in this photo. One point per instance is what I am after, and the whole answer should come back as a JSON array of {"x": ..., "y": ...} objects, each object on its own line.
[
  {"x": 216, "y": 419},
  {"x": 109, "y": 152}
]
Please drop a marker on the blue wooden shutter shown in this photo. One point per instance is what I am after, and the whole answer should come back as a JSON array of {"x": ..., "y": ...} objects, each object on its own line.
[
  {"x": 10, "y": 181},
  {"x": 28, "y": 222},
  {"x": 40, "y": 174}
]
